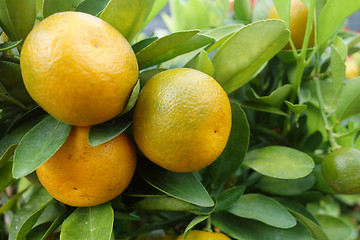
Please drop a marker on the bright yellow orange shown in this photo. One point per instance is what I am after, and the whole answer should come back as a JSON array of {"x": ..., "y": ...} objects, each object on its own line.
[
  {"x": 202, "y": 235},
  {"x": 182, "y": 120},
  {"x": 81, "y": 175},
  {"x": 297, "y": 23},
  {"x": 352, "y": 68},
  {"x": 78, "y": 68}
]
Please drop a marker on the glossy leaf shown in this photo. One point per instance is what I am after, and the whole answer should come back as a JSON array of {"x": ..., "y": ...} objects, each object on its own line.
[
  {"x": 294, "y": 206},
  {"x": 241, "y": 228},
  {"x": 296, "y": 108},
  {"x": 27, "y": 216},
  {"x": 5, "y": 176},
  {"x": 152, "y": 51},
  {"x": 193, "y": 223},
  {"x": 164, "y": 204},
  {"x": 53, "y": 6},
  {"x": 231, "y": 158},
  {"x": 332, "y": 16},
  {"x": 245, "y": 52},
  {"x": 90, "y": 223},
  {"x": 127, "y": 17},
  {"x": 38, "y": 145},
  {"x": 229, "y": 197},
  {"x": 286, "y": 187},
  {"x": 203, "y": 63},
  {"x": 8, "y": 45},
  {"x": 348, "y": 102},
  {"x": 334, "y": 227},
  {"x": 279, "y": 162},
  {"x": 102, "y": 133},
  {"x": 275, "y": 99},
  {"x": 17, "y": 18},
  {"x": 264, "y": 209},
  {"x": 133, "y": 98},
  {"x": 93, "y": 7},
  {"x": 183, "y": 186}
]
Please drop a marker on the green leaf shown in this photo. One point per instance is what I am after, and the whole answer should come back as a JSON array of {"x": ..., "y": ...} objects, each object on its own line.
[
  {"x": 203, "y": 63},
  {"x": 164, "y": 204},
  {"x": 17, "y": 131},
  {"x": 146, "y": 75},
  {"x": 54, "y": 6},
  {"x": 264, "y": 108},
  {"x": 279, "y": 162},
  {"x": 264, "y": 209},
  {"x": 133, "y": 98},
  {"x": 337, "y": 68},
  {"x": 231, "y": 158},
  {"x": 296, "y": 108},
  {"x": 242, "y": 10},
  {"x": 221, "y": 34},
  {"x": 137, "y": 47},
  {"x": 162, "y": 50},
  {"x": 5, "y": 176},
  {"x": 38, "y": 145},
  {"x": 241, "y": 228},
  {"x": 27, "y": 216},
  {"x": 54, "y": 225},
  {"x": 17, "y": 18},
  {"x": 283, "y": 9},
  {"x": 286, "y": 187},
  {"x": 102, "y": 133},
  {"x": 183, "y": 186},
  {"x": 93, "y": 7},
  {"x": 348, "y": 101},
  {"x": 245, "y": 52},
  {"x": 294, "y": 206},
  {"x": 332, "y": 16},
  {"x": 335, "y": 228},
  {"x": 275, "y": 99},
  {"x": 193, "y": 223},
  {"x": 8, "y": 45},
  {"x": 90, "y": 223},
  {"x": 158, "y": 6},
  {"x": 127, "y": 17},
  {"x": 229, "y": 197}
]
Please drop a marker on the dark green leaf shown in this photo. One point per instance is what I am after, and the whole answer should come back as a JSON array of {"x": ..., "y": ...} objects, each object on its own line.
[
  {"x": 93, "y": 7},
  {"x": 294, "y": 206},
  {"x": 231, "y": 158},
  {"x": 348, "y": 102},
  {"x": 264, "y": 209},
  {"x": 90, "y": 223},
  {"x": 38, "y": 145},
  {"x": 17, "y": 18},
  {"x": 286, "y": 187},
  {"x": 279, "y": 162},
  {"x": 102, "y": 133},
  {"x": 335, "y": 228},
  {"x": 316, "y": 231},
  {"x": 332, "y": 17},
  {"x": 8, "y": 45},
  {"x": 164, "y": 204},
  {"x": 27, "y": 216},
  {"x": 54, "y": 225},
  {"x": 5, "y": 176},
  {"x": 127, "y": 17},
  {"x": 241, "y": 228},
  {"x": 245, "y": 52},
  {"x": 229, "y": 197},
  {"x": 53, "y": 6},
  {"x": 183, "y": 186}
]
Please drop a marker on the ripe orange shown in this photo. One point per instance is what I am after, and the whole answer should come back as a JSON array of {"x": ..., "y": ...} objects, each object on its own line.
[
  {"x": 81, "y": 175},
  {"x": 202, "y": 235},
  {"x": 341, "y": 170},
  {"x": 297, "y": 23},
  {"x": 182, "y": 120},
  {"x": 78, "y": 68}
]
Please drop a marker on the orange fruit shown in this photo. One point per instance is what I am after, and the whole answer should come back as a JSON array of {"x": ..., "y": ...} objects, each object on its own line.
[
  {"x": 182, "y": 120},
  {"x": 297, "y": 23},
  {"x": 81, "y": 175},
  {"x": 78, "y": 68},
  {"x": 341, "y": 170},
  {"x": 202, "y": 235},
  {"x": 352, "y": 68}
]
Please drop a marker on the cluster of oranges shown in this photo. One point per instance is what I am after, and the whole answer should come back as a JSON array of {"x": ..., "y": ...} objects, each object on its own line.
[{"x": 82, "y": 71}]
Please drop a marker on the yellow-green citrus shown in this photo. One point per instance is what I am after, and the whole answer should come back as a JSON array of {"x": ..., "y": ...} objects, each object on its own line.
[{"x": 202, "y": 235}]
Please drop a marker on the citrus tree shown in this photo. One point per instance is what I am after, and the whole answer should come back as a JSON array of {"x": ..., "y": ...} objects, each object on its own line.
[{"x": 239, "y": 124}]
